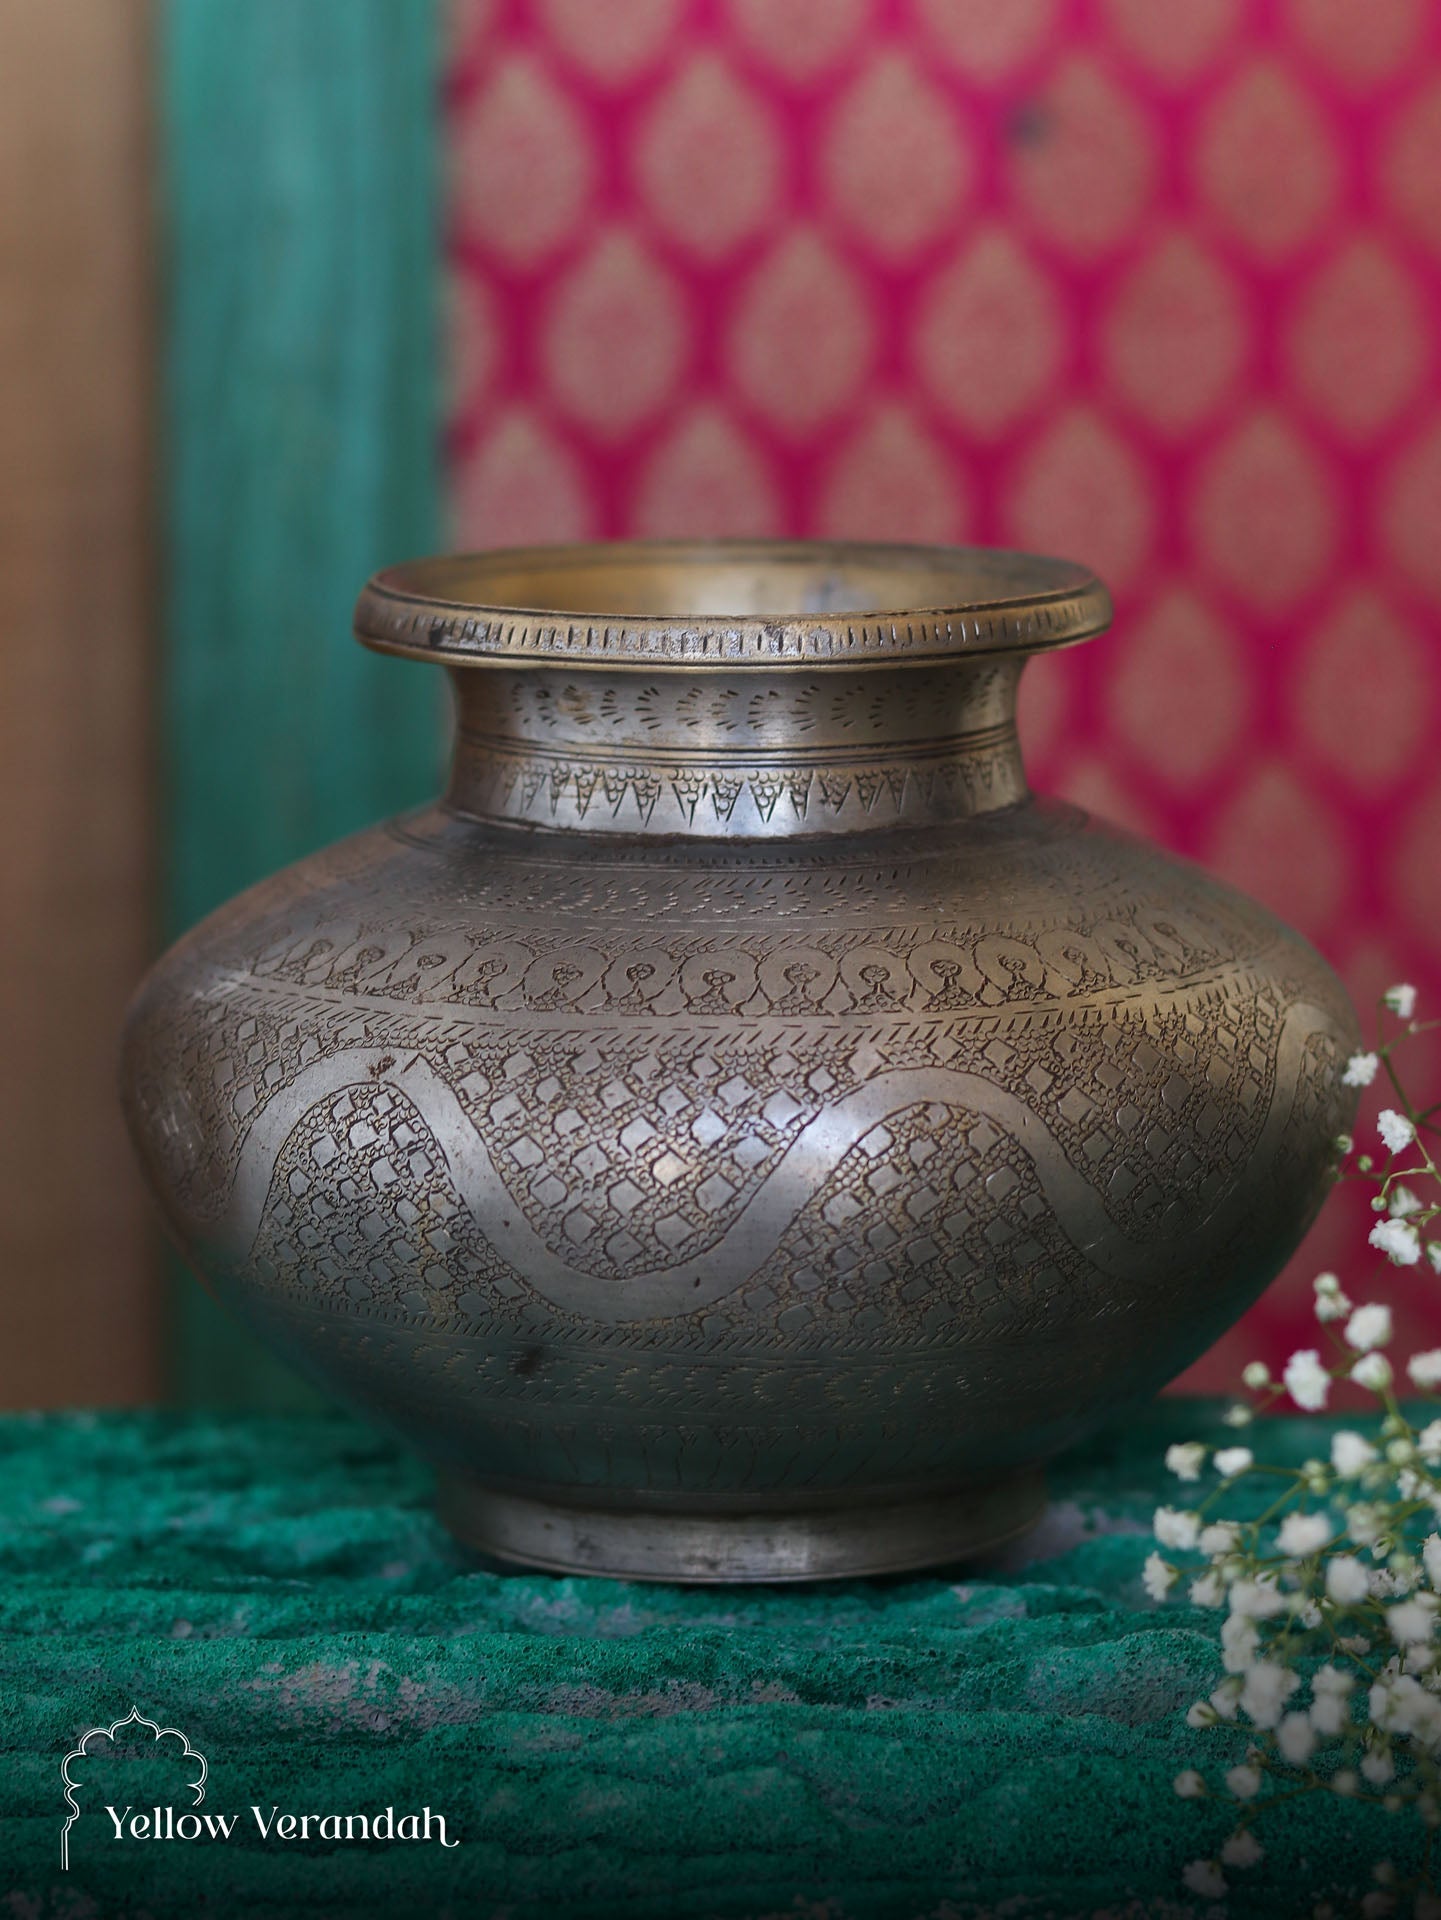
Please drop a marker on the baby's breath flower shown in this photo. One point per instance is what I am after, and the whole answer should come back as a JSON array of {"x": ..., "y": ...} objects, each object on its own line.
[
  {"x": 1330, "y": 1682},
  {"x": 1185, "y": 1459},
  {"x": 1268, "y": 1686},
  {"x": 1400, "y": 1704},
  {"x": 1306, "y": 1380},
  {"x": 1225, "y": 1698},
  {"x": 1347, "y": 1581},
  {"x": 1238, "y": 1415},
  {"x": 1219, "y": 1538},
  {"x": 1244, "y": 1780},
  {"x": 1331, "y": 1303},
  {"x": 1189, "y": 1784},
  {"x": 1261, "y": 1598},
  {"x": 1302, "y": 1534},
  {"x": 1206, "y": 1878},
  {"x": 1240, "y": 1644},
  {"x": 1243, "y": 1849},
  {"x": 1335, "y": 1563},
  {"x": 1412, "y": 1620},
  {"x": 1158, "y": 1576},
  {"x": 1231, "y": 1460},
  {"x": 1363, "y": 1524},
  {"x": 1350, "y": 1454},
  {"x": 1329, "y": 1714},
  {"x": 1296, "y": 1738},
  {"x": 1368, "y": 1327},
  {"x": 1387, "y": 1701},
  {"x": 1372, "y": 1371},
  {"x": 1315, "y": 1476},
  {"x": 1174, "y": 1527},
  {"x": 1398, "y": 1240}
]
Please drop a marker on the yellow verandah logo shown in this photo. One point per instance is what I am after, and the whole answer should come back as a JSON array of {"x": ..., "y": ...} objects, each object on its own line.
[{"x": 168, "y": 1822}]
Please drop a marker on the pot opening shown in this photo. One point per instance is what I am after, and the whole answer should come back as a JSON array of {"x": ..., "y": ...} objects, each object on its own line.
[{"x": 747, "y": 580}]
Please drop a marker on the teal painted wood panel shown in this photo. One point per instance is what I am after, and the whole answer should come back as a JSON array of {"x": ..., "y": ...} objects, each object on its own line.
[{"x": 302, "y": 256}]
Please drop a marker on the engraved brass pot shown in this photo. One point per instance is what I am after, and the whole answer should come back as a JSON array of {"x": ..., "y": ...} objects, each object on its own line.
[{"x": 738, "y": 1133}]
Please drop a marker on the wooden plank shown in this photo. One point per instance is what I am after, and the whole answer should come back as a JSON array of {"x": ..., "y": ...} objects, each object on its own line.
[
  {"x": 301, "y": 410},
  {"x": 79, "y": 1304}
]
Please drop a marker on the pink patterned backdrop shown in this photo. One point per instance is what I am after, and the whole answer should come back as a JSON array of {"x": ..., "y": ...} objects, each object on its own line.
[{"x": 1150, "y": 283}]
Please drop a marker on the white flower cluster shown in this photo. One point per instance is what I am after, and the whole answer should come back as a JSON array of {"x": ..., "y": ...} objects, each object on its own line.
[
  {"x": 1401, "y": 1000},
  {"x": 1330, "y": 1597}
]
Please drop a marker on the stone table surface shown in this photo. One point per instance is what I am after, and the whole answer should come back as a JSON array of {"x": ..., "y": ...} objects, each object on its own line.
[{"x": 996, "y": 1739}]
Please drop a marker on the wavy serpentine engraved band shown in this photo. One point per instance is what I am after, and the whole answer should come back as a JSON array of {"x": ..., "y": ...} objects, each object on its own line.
[{"x": 818, "y": 1149}]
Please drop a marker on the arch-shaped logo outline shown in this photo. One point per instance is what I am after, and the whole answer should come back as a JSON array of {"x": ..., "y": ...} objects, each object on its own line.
[{"x": 136, "y": 1718}]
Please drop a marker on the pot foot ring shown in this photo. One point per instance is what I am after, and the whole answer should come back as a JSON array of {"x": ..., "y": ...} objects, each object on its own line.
[{"x": 835, "y": 1543}]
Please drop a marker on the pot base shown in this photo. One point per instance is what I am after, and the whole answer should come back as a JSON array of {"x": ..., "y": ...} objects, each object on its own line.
[{"x": 724, "y": 1549}]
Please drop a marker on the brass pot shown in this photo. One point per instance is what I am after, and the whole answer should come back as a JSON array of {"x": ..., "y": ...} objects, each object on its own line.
[{"x": 738, "y": 1133}]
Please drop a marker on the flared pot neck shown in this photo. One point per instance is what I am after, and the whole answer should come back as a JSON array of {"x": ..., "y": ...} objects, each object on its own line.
[
  {"x": 735, "y": 689},
  {"x": 752, "y": 754}
]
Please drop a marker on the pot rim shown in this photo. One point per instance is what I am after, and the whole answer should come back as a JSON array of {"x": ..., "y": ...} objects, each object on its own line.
[{"x": 656, "y": 603}]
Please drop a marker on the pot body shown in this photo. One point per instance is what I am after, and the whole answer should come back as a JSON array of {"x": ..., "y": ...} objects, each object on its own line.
[{"x": 761, "y": 1196}]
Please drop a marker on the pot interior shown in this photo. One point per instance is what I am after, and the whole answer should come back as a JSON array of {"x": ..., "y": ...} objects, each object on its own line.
[{"x": 738, "y": 580}]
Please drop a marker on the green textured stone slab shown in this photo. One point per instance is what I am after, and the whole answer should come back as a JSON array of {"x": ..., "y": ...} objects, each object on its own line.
[{"x": 995, "y": 1740}]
